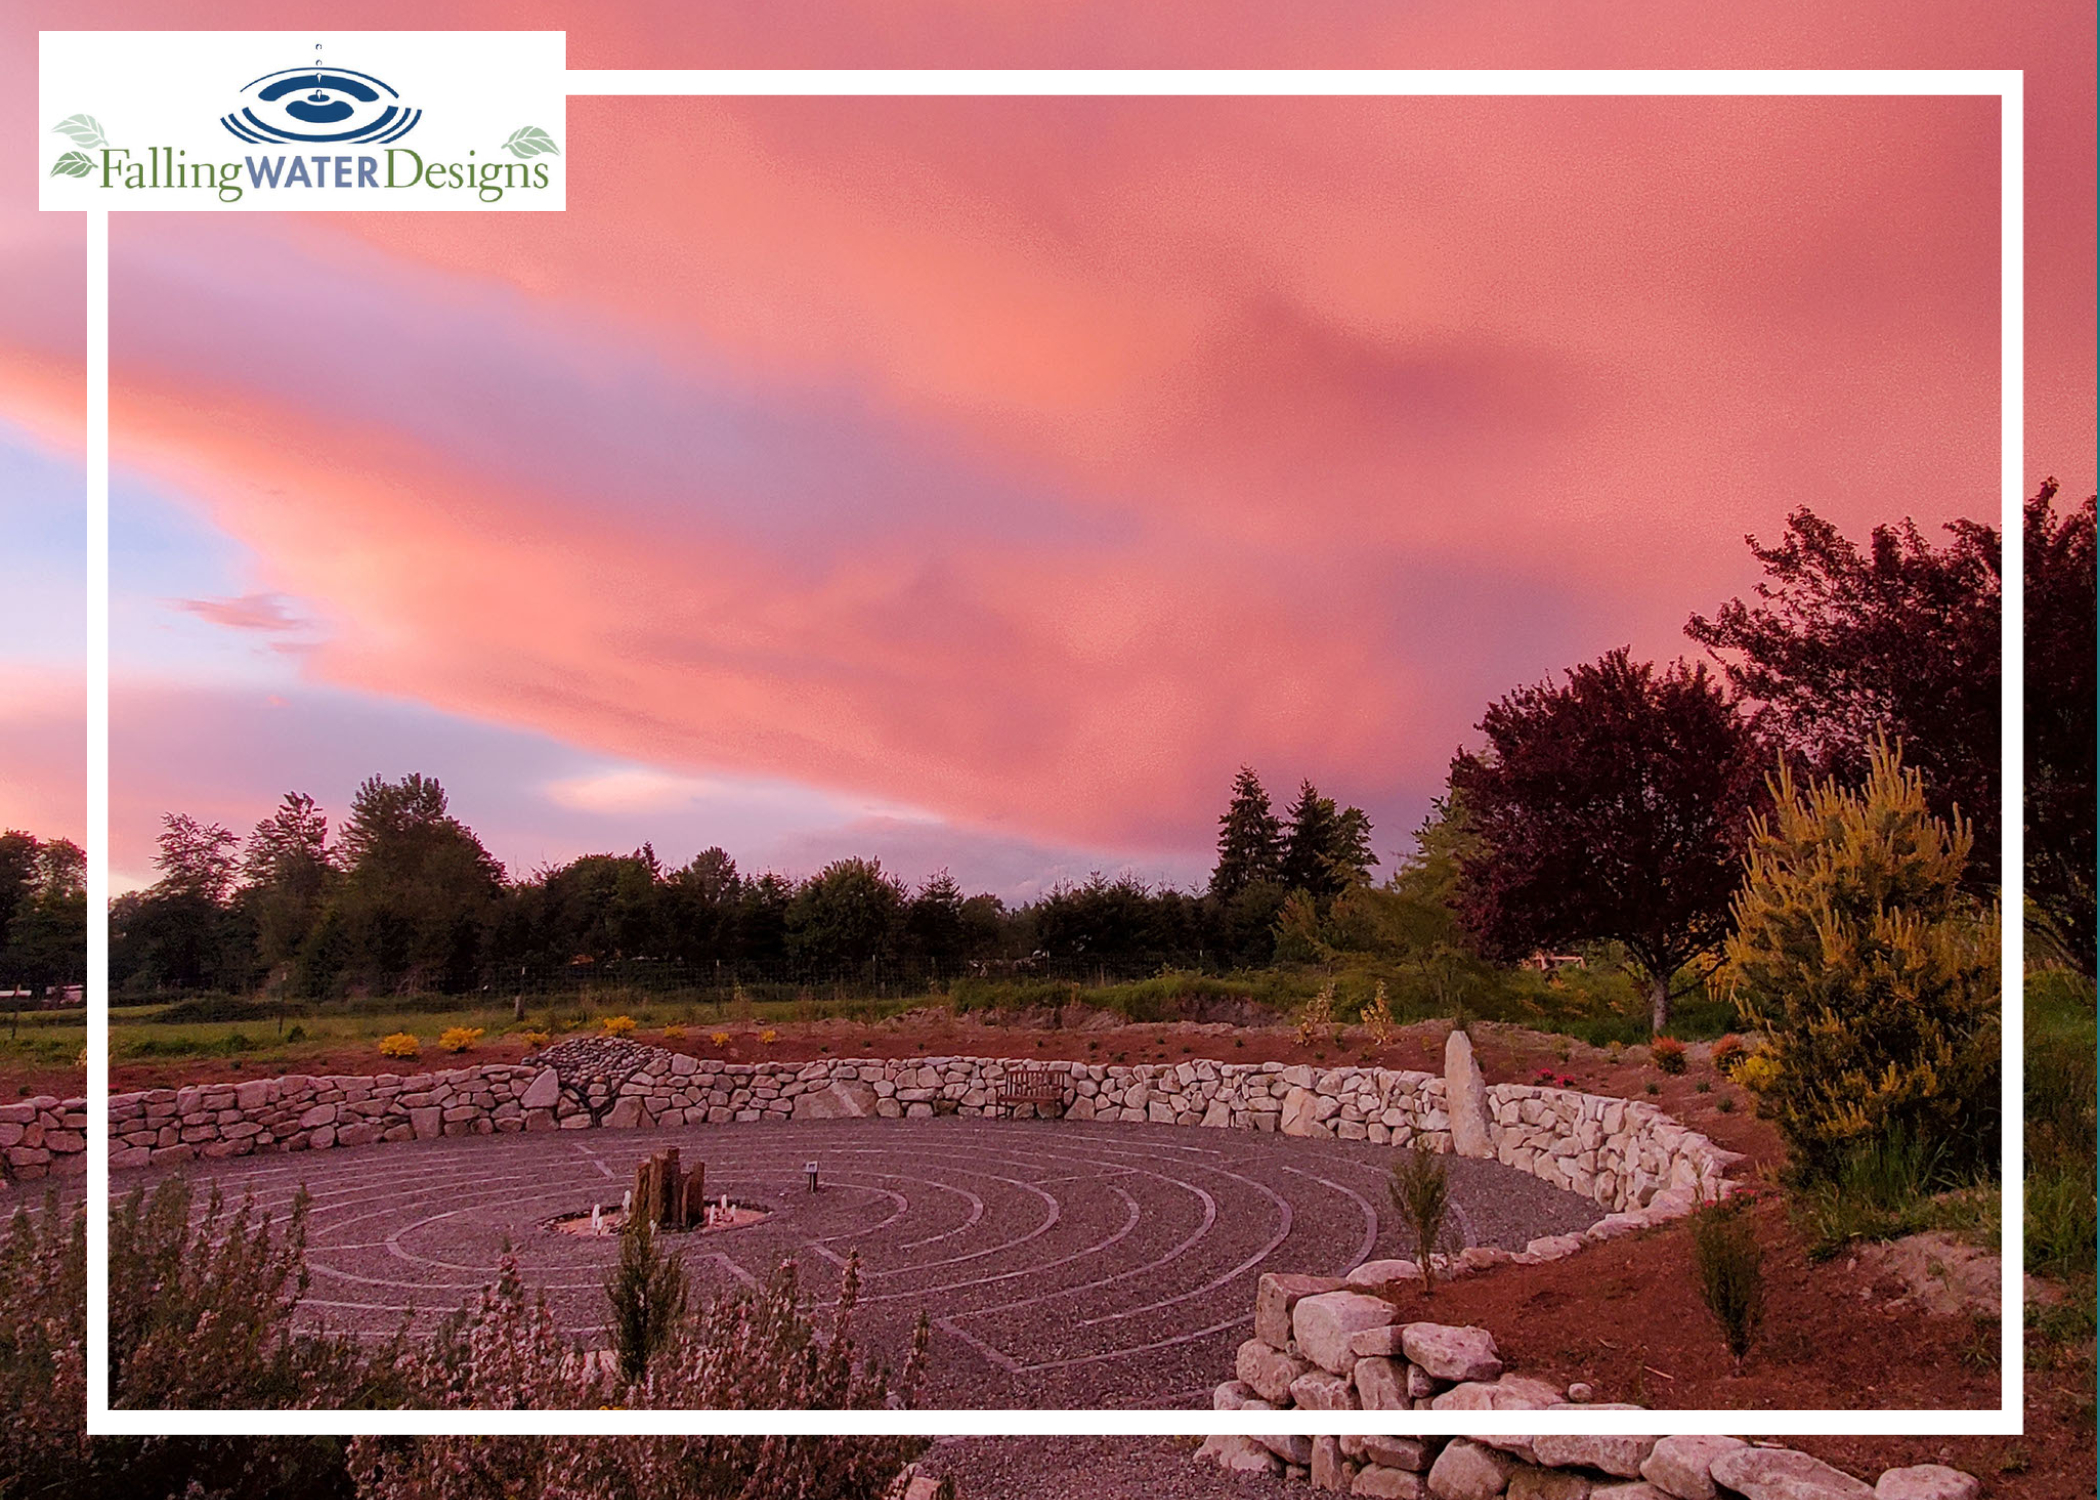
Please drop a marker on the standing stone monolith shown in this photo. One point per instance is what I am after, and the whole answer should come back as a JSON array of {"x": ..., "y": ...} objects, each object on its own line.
[{"x": 1465, "y": 1094}]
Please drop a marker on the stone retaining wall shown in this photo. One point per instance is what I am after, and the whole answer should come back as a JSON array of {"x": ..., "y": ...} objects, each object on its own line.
[
  {"x": 1629, "y": 1157},
  {"x": 42, "y": 1137},
  {"x": 1318, "y": 1345}
]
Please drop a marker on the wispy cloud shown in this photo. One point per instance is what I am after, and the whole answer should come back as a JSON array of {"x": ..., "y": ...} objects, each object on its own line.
[{"x": 264, "y": 612}]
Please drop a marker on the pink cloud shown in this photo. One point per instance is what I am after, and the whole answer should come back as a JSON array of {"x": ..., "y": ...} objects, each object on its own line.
[
  {"x": 43, "y": 785},
  {"x": 264, "y": 612}
]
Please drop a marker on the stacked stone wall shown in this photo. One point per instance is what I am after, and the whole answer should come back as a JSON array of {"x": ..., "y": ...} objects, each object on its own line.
[
  {"x": 1628, "y": 1157},
  {"x": 1321, "y": 1345}
]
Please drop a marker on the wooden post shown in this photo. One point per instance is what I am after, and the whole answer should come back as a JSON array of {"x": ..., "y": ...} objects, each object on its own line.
[
  {"x": 644, "y": 1190},
  {"x": 696, "y": 1194},
  {"x": 673, "y": 1215}
]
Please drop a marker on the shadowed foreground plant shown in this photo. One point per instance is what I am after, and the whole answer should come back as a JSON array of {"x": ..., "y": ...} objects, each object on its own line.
[
  {"x": 43, "y": 1336},
  {"x": 754, "y": 1350},
  {"x": 201, "y": 1309},
  {"x": 1422, "y": 1195},
  {"x": 1731, "y": 1273}
]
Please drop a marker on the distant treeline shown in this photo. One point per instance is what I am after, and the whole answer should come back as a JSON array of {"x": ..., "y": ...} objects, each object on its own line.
[{"x": 405, "y": 898}]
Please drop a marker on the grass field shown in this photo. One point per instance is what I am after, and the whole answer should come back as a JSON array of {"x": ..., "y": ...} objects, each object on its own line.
[{"x": 1597, "y": 1006}]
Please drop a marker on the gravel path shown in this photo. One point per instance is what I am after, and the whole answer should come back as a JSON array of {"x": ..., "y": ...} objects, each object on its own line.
[
  {"x": 1063, "y": 1265},
  {"x": 1092, "y": 1468}
]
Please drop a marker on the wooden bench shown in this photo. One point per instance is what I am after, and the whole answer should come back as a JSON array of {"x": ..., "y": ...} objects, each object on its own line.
[{"x": 1041, "y": 1087}]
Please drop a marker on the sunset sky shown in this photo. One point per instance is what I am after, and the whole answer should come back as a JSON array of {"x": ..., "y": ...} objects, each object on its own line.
[{"x": 978, "y": 483}]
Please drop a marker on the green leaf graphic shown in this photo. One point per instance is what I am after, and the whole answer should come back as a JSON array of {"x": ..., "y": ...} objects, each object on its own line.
[
  {"x": 530, "y": 141},
  {"x": 72, "y": 164},
  {"x": 81, "y": 130}
]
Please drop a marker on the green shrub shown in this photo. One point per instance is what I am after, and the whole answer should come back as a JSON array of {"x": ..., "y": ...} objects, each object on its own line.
[
  {"x": 1731, "y": 1273},
  {"x": 1882, "y": 1188},
  {"x": 1873, "y": 976},
  {"x": 1423, "y": 1196}
]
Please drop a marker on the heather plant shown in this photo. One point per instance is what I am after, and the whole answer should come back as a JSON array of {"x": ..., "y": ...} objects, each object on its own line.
[
  {"x": 751, "y": 1350},
  {"x": 400, "y": 1044},
  {"x": 201, "y": 1304},
  {"x": 1731, "y": 1273},
  {"x": 1423, "y": 1196},
  {"x": 1668, "y": 1053},
  {"x": 43, "y": 1341},
  {"x": 1871, "y": 973},
  {"x": 460, "y": 1038}
]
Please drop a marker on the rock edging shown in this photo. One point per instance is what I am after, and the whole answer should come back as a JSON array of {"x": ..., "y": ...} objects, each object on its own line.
[
  {"x": 1625, "y": 1155},
  {"x": 1320, "y": 1346}
]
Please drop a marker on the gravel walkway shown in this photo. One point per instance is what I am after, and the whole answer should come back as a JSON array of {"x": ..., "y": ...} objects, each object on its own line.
[{"x": 1064, "y": 1265}]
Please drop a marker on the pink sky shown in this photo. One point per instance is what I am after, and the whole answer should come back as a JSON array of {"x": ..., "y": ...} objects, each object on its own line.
[{"x": 1023, "y": 467}]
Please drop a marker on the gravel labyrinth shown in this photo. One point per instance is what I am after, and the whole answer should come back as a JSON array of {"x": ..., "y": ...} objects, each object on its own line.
[{"x": 1062, "y": 1264}]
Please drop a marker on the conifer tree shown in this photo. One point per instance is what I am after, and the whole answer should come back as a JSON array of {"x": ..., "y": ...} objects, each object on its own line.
[
  {"x": 1250, "y": 840},
  {"x": 1873, "y": 976}
]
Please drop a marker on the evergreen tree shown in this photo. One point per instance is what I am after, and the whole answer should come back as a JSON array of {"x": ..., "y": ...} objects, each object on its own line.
[
  {"x": 1314, "y": 827},
  {"x": 1873, "y": 976},
  {"x": 1250, "y": 840}
]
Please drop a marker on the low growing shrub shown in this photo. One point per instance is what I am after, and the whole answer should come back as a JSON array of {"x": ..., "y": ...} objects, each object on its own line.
[
  {"x": 1729, "y": 1051},
  {"x": 1668, "y": 1053},
  {"x": 619, "y": 1025},
  {"x": 460, "y": 1038},
  {"x": 400, "y": 1044}
]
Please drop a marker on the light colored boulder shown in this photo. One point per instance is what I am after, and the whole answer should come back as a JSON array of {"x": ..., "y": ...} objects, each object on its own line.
[
  {"x": 1381, "y": 1343},
  {"x": 838, "y": 1101},
  {"x": 1783, "y": 1474},
  {"x": 1316, "y": 1390},
  {"x": 1626, "y": 1489},
  {"x": 1446, "y": 1352},
  {"x": 544, "y": 1092},
  {"x": 1620, "y": 1457},
  {"x": 1301, "y": 1113},
  {"x": 1510, "y": 1393},
  {"x": 1323, "y": 1324},
  {"x": 1465, "y": 1098},
  {"x": 1411, "y": 1453},
  {"x": 1233, "y": 1395},
  {"x": 1239, "y": 1455},
  {"x": 1268, "y": 1371},
  {"x": 1381, "y": 1384},
  {"x": 1330, "y": 1471},
  {"x": 1276, "y": 1295},
  {"x": 1927, "y": 1482},
  {"x": 1373, "y": 1274},
  {"x": 1467, "y": 1471},
  {"x": 1682, "y": 1466}
]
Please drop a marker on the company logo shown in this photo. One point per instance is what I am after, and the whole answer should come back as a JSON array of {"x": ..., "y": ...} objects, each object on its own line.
[
  {"x": 316, "y": 136},
  {"x": 320, "y": 106}
]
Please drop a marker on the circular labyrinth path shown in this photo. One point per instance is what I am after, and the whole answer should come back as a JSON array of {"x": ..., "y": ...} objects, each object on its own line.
[{"x": 1061, "y": 1264}]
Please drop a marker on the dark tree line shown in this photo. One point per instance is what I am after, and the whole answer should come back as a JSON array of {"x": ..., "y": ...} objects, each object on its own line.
[
  {"x": 43, "y": 913},
  {"x": 405, "y": 898}
]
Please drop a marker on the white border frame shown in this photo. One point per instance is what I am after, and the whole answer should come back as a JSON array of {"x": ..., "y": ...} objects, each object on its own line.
[{"x": 2007, "y": 86}]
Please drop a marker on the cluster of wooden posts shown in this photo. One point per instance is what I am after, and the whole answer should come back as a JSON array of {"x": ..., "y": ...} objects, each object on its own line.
[{"x": 667, "y": 1195}]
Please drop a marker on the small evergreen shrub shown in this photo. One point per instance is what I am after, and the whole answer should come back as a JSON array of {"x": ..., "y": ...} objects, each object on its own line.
[
  {"x": 1423, "y": 1196},
  {"x": 1731, "y": 1273},
  {"x": 1668, "y": 1053},
  {"x": 460, "y": 1038},
  {"x": 400, "y": 1044},
  {"x": 619, "y": 1025},
  {"x": 647, "y": 1291},
  {"x": 1729, "y": 1052}
]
